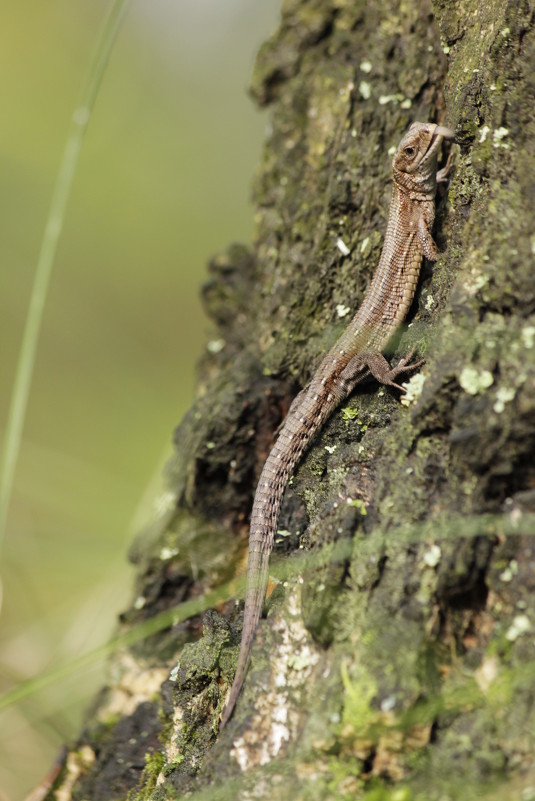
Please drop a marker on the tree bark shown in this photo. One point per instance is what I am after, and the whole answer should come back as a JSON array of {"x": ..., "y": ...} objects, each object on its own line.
[{"x": 396, "y": 659}]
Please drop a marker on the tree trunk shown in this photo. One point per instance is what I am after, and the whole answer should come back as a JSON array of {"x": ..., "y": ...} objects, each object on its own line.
[{"x": 396, "y": 658}]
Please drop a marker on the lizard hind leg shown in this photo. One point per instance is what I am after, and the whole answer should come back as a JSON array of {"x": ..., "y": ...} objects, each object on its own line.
[{"x": 381, "y": 370}]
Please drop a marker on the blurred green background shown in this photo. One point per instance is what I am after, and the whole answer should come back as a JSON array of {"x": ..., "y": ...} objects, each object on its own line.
[{"x": 163, "y": 183}]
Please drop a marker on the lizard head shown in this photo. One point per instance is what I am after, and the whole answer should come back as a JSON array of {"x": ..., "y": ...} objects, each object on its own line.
[{"x": 414, "y": 165}]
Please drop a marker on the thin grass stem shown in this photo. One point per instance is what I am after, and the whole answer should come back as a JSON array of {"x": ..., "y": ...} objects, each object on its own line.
[{"x": 56, "y": 216}]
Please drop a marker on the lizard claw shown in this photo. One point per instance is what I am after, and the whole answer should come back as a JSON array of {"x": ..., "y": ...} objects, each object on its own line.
[{"x": 404, "y": 366}]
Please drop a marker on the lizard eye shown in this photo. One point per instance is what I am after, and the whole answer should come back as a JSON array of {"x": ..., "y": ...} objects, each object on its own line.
[{"x": 409, "y": 151}]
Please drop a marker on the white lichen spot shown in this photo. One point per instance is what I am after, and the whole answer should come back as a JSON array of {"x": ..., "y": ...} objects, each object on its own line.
[
  {"x": 521, "y": 625},
  {"x": 429, "y": 302},
  {"x": 77, "y": 764},
  {"x": 140, "y": 602},
  {"x": 330, "y": 448},
  {"x": 527, "y": 335},
  {"x": 132, "y": 685},
  {"x": 492, "y": 87},
  {"x": 510, "y": 571},
  {"x": 388, "y": 703},
  {"x": 484, "y": 132},
  {"x": 506, "y": 575},
  {"x": 342, "y": 311},
  {"x": 385, "y": 99},
  {"x": 215, "y": 346},
  {"x": 505, "y": 32},
  {"x": 210, "y": 446},
  {"x": 167, "y": 553},
  {"x": 413, "y": 389},
  {"x": 445, "y": 49},
  {"x": 487, "y": 672},
  {"x": 503, "y": 395},
  {"x": 342, "y": 247},
  {"x": 498, "y": 136},
  {"x": 354, "y": 133},
  {"x": 364, "y": 244},
  {"x": 365, "y": 66},
  {"x": 432, "y": 556},
  {"x": 407, "y": 103},
  {"x": 473, "y": 381},
  {"x": 515, "y": 516},
  {"x": 391, "y": 150},
  {"x": 365, "y": 90},
  {"x": 174, "y": 672},
  {"x": 282, "y": 532},
  {"x": 171, "y": 747}
]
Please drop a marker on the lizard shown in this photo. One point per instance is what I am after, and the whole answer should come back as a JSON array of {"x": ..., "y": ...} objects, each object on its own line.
[{"x": 356, "y": 355}]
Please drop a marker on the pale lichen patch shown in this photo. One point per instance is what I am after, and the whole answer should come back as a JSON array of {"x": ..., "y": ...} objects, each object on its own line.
[
  {"x": 172, "y": 750},
  {"x": 527, "y": 334},
  {"x": 365, "y": 90},
  {"x": 78, "y": 762},
  {"x": 413, "y": 389},
  {"x": 487, "y": 672},
  {"x": 342, "y": 311},
  {"x": 521, "y": 625},
  {"x": 499, "y": 135},
  {"x": 277, "y": 719},
  {"x": 474, "y": 381},
  {"x": 504, "y": 395},
  {"x": 342, "y": 247},
  {"x": 431, "y": 557},
  {"x": 133, "y": 686}
]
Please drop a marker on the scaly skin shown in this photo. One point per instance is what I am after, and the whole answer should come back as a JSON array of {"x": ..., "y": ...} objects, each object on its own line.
[{"x": 354, "y": 356}]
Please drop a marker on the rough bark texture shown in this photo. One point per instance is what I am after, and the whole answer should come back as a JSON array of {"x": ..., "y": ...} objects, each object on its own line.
[{"x": 396, "y": 662}]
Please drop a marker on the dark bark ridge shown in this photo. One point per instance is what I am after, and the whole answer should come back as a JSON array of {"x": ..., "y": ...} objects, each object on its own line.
[{"x": 397, "y": 657}]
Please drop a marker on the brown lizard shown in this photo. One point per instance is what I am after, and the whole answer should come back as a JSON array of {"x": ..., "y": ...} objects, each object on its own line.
[{"x": 356, "y": 355}]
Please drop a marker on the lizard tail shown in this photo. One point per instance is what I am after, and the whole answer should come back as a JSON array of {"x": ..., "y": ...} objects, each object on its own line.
[{"x": 257, "y": 581}]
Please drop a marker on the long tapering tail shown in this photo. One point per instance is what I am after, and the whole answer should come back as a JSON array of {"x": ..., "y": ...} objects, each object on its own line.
[{"x": 257, "y": 581}]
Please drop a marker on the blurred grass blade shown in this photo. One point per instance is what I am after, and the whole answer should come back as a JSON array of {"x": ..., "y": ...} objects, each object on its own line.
[
  {"x": 56, "y": 216},
  {"x": 446, "y": 529},
  {"x": 163, "y": 620}
]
